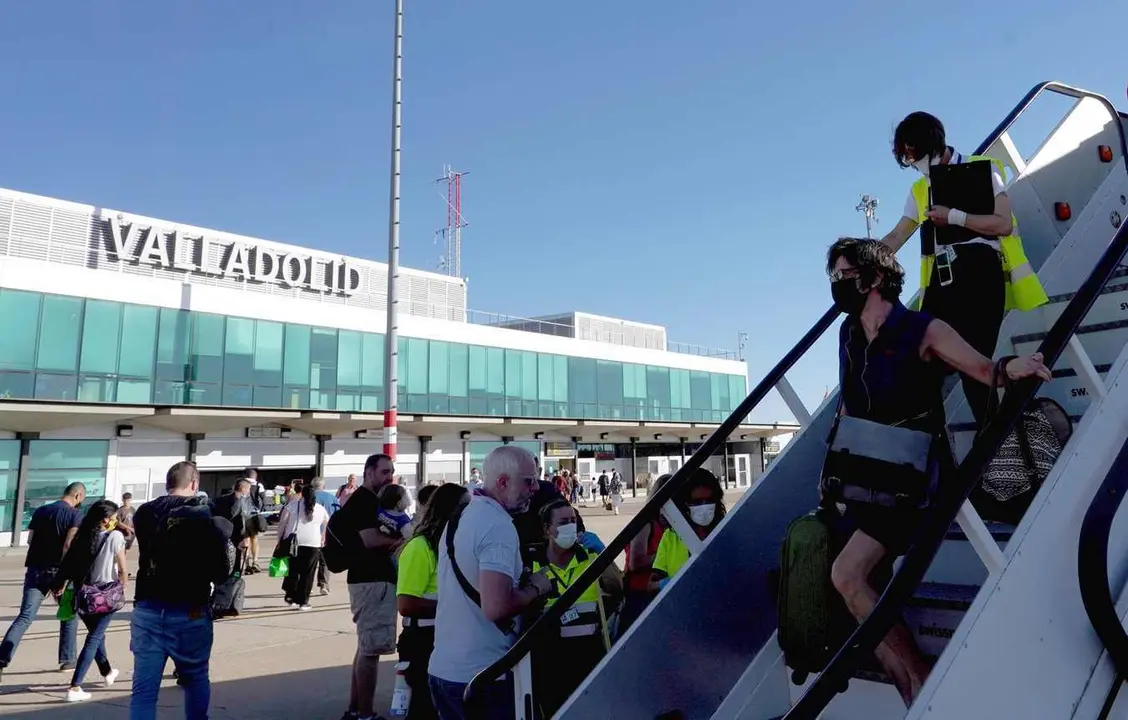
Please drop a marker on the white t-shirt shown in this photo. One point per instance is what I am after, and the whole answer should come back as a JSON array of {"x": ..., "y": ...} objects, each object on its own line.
[
  {"x": 465, "y": 641},
  {"x": 308, "y": 529},
  {"x": 997, "y": 185},
  {"x": 105, "y": 567}
]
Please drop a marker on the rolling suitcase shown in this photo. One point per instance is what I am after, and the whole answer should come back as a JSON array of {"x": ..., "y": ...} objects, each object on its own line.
[
  {"x": 813, "y": 619},
  {"x": 229, "y": 596}
]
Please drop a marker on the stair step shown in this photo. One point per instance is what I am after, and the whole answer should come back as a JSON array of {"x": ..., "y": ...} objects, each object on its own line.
[
  {"x": 944, "y": 596},
  {"x": 1001, "y": 532}
]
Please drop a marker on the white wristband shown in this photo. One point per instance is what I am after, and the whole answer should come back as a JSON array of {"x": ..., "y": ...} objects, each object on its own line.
[{"x": 956, "y": 217}]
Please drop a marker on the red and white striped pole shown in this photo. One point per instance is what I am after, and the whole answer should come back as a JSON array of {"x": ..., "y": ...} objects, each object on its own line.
[{"x": 391, "y": 336}]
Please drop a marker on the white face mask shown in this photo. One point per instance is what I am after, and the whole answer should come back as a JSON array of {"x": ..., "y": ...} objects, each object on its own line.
[
  {"x": 702, "y": 515},
  {"x": 566, "y": 535},
  {"x": 925, "y": 163}
]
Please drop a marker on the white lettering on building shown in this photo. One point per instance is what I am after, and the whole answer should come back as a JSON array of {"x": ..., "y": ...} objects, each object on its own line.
[{"x": 173, "y": 249}]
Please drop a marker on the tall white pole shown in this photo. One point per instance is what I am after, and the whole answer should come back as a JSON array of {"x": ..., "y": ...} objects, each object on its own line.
[{"x": 391, "y": 337}]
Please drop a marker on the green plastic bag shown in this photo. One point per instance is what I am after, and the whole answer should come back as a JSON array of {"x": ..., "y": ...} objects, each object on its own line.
[
  {"x": 279, "y": 567},
  {"x": 66, "y": 604}
]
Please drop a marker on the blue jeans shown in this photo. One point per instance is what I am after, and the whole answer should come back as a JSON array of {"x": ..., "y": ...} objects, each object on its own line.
[
  {"x": 29, "y": 607},
  {"x": 94, "y": 649},
  {"x": 159, "y": 632},
  {"x": 494, "y": 702}
]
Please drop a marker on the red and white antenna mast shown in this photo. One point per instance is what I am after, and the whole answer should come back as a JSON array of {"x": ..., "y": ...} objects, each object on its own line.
[{"x": 451, "y": 262}]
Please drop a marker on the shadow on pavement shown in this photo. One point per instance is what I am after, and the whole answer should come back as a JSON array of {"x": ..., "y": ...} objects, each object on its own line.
[{"x": 315, "y": 693}]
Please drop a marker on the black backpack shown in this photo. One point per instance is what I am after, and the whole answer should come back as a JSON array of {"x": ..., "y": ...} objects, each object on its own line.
[
  {"x": 340, "y": 539},
  {"x": 174, "y": 561}
]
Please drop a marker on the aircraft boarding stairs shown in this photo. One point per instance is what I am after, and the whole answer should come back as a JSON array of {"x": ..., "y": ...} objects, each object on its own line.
[{"x": 999, "y": 606}]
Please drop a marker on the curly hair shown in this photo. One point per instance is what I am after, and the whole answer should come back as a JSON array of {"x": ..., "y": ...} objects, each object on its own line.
[
  {"x": 702, "y": 478},
  {"x": 438, "y": 510},
  {"x": 871, "y": 258}
]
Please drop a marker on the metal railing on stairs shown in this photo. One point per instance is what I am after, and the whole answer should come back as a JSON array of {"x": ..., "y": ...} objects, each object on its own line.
[{"x": 903, "y": 584}]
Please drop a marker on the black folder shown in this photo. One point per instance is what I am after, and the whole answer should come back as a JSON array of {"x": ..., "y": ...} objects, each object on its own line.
[{"x": 963, "y": 186}]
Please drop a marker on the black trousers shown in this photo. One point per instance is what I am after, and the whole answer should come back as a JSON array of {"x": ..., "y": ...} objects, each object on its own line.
[
  {"x": 974, "y": 305},
  {"x": 322, "y": 571},
  {"x": 415, "y": 647},
  {"x": 303, "y": 570}
]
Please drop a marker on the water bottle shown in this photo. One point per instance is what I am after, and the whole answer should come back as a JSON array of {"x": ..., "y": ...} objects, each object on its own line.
[{"x": 401, "y": 695}]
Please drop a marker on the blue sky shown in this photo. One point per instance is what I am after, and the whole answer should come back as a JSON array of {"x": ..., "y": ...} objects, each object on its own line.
[{"x": 677, "y": 163}]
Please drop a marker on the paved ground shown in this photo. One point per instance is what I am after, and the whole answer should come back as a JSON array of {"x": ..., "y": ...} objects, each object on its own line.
[{"x": 271, "y": 662}]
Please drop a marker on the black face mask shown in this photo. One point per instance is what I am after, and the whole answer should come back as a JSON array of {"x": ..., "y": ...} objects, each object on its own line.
[{"x": 846, "y": 296}]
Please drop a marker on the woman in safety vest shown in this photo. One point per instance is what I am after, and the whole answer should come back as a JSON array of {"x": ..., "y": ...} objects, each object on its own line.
[
  {"x": 417, "y": 593},
  {"x": 701, "y": 500},
  {"x": 972, "y": 282},
  {"x": 562, "y": 663}
]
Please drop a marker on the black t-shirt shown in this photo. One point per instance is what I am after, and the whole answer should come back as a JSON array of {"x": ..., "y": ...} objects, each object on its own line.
[
  {"x": 196, "y": 555},
  {"x": 49, "y": 527},
  {"x": 530, "y": 532},
  {"x": 366, "y": 565}
]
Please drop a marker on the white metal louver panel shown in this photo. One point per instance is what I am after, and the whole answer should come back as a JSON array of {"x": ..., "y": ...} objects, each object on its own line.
[{"x": 6, "y": 206}]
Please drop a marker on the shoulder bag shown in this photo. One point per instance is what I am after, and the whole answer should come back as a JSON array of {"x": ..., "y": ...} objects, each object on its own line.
[
  {"x": 99, "y": 598},
  {"x": 1028, "y": 454}
]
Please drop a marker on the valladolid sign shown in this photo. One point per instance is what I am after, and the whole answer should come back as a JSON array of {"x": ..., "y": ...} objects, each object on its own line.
[{"x": 172, "y": 249}]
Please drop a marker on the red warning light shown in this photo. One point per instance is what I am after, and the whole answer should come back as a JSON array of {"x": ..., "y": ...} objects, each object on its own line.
[
  {"x": 1062, "y": 211},
  {"x": 1104, "y": 152}
]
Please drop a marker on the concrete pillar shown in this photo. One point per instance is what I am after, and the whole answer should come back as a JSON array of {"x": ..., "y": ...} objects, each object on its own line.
[
  {"x": 21, "y": 485},
  {"x": 634, "y": 467},
  {"x": 319, "y": 470},
  {"x": 193, "y": 444},
  {"x": 725, "y": 465},
  {"x": 465, "y": 461},
  {"x": 683, "y": 442},
  {"x": 424, "y": 448}
]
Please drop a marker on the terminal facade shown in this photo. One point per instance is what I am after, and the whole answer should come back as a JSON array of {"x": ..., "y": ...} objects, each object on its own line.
[{"x": 129, "y": 343}]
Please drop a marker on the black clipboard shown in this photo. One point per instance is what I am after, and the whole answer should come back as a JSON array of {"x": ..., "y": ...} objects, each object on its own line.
[{"x": 963, "y": 186}]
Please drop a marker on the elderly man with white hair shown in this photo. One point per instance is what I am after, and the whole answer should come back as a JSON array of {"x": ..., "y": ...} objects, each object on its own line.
[{"x": 482, "y": 589}]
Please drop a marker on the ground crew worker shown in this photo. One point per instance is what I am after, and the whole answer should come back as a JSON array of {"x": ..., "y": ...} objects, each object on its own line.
[
  {"x": 702, "y": 502},
  {"x": 417, "y": 593},
  {"x": 973, "y": 288},
  {"x": 561, "y": 663}
]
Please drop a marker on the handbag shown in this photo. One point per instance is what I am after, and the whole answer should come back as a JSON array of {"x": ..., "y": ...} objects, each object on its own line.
[
  {"x": 876, "y": 464},
  {"x": 1028, "y": 454},
  {"x": 99, "y": 598}
]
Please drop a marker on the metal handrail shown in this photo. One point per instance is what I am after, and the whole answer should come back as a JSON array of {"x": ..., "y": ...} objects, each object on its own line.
[
  {"x": 550, "y": 619},
  {"x": 1092, "y": 563}
]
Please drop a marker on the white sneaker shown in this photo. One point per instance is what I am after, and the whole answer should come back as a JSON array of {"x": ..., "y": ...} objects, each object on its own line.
[
  {"x": 293, "y": 606},
  {"x": 303, "y": 608},
  {"x": 77, "y": 694},
  {"x": 110, "y": 677}
]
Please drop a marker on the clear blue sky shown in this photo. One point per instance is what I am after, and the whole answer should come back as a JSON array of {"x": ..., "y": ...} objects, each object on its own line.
[{"x": 677, "y": 163}]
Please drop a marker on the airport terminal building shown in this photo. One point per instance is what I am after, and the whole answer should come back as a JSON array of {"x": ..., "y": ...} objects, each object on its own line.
[{"x": 129, "y": 343}]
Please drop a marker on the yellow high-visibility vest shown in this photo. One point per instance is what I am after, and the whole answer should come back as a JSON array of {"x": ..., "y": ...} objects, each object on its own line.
[{"x": 1023, "y": 289}]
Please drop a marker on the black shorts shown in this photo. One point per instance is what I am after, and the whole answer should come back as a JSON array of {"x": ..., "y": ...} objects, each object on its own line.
[{"x": 894, "y": 528}]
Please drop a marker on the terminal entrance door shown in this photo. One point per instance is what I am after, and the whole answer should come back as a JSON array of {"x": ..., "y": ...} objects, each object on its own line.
[{"x": 219, "y": 482}]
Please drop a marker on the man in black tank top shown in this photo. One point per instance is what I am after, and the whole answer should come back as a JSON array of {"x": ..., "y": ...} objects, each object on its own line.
[{"x": 889, "y": 357}]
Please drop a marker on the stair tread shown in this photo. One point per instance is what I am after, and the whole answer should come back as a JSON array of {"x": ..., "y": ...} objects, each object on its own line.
[
  {"x": 935, "y": 594},
  {"x": 998, "y": 530}
]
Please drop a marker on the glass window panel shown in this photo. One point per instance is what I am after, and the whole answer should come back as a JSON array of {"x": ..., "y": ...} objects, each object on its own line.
[
  {"x": 478, "y": 367},
  {"x": 138, "y": 392},
  {"x": 239, "y": 354},
  {"x": 59, "y": 330},
  {"x": 268, "y": 348},
  {"x": 718, "y": 391},
  {"x": 240, "y": 395},
  {"x": 495, "y": 371},
  {"x": 55, "y": 386},
  {"x": 372, "y": 371},
  {"x": 296, "y": 356},
  {"x": 417, "y": 368},
  {"x": 101, "y": 328},
  {"x": 513, "y": 374},
  {"x": 609, "y": 379},
  {"x": 172, "y": 344},
  {"x": 19, "y": 325},
  {"x": 737, "y": 391},
  {"x": 322, "y": 368},
  {"x": 17, "y": 385},
  {"x": 267, "y": 396},
  {"x": 546, "y": 390},
  {"x": 701, "y": 391},
  {"x": 207, "y": 347},
  {"x": 67, "y": 455},
  {"x": 138, "y": 341},
  {"x": 348, "y": 359},
  {"x": 560, "y": 378},
  {"x": 438, "y": 375},
  {"x": 528, "y": 377},
  {"x": 459, "y": 365},
  {"x": 54, "y": 464},
  {"x": 97, "y": 389}
]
